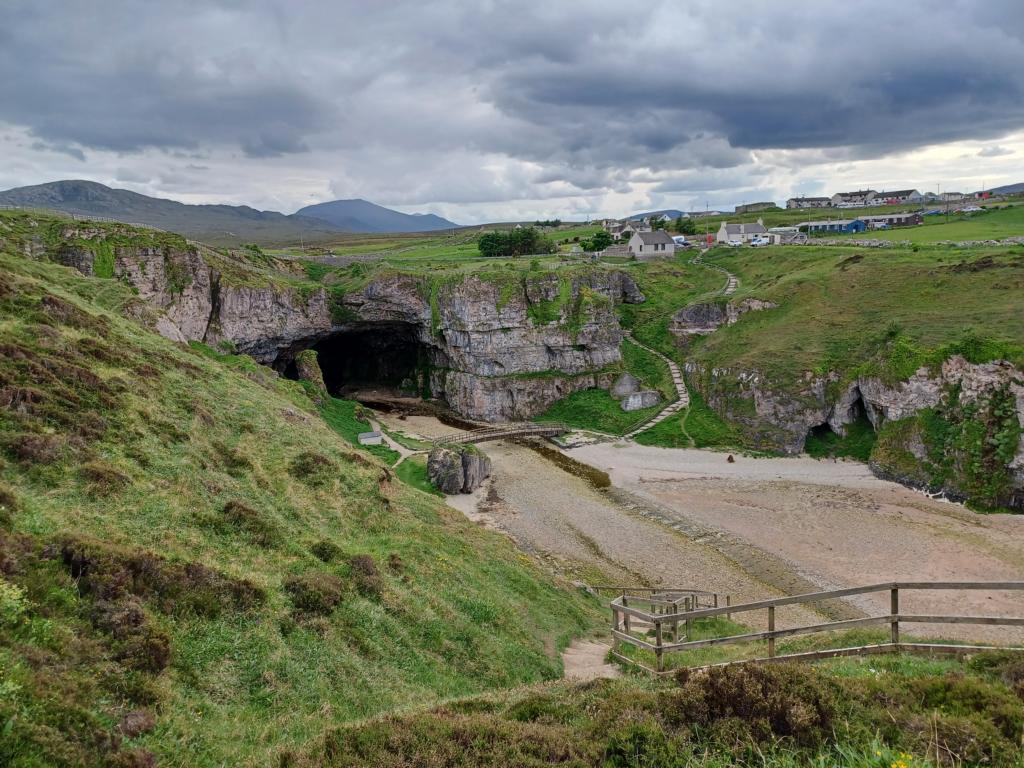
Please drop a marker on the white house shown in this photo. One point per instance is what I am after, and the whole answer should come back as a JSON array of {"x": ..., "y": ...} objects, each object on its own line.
[
  {"x": 652, "y": 245},
  {"x": 898, "y": 197},
  {"x": 742, "y": 232},
  {"x": 857, "y": 199},
  {"x": 809, "y": 202}
]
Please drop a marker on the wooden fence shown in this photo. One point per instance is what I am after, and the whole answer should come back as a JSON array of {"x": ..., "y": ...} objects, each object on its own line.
[{"x": 663, "y": 617}]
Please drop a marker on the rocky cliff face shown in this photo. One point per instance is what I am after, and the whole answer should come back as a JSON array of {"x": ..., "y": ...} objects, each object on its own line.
[
  {"x": 958, "y": 397},
  {"x": 498, "y": 348}
]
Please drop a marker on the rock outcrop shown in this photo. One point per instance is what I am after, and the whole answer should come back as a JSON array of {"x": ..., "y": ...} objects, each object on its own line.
[
  {"x": 640, "y": 400},
  {"x": 497, "y": 347},
  {"x": 779, "y": 417},
  {"x": 703, "y": 318},
  {"x": 457, "y": 469}
]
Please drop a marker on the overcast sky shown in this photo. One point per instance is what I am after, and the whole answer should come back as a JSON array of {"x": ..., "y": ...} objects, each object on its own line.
[{"x": 511, "y": 110}]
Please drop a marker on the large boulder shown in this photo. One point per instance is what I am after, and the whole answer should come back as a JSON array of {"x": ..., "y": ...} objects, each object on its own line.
[
  {"x": 626, "y": 384},
  {"x": 640, "y": 400},
  {"x": 457, "y": 469}
]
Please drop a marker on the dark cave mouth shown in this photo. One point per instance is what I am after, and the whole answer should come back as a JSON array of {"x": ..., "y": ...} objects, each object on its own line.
[{"x": 372, "y": 356}]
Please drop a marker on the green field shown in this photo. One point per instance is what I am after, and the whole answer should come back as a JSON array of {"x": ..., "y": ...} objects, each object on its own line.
[{"x": 984, "y": 225}]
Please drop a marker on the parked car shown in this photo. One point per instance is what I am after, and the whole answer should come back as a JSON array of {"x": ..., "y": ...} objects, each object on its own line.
[
  {"x": 759, "y": 242},
  {"x": 734, "y": 243}
]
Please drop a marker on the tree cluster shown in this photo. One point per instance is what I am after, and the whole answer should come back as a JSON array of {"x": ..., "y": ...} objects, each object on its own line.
[
  {"x": 598, "y": 242},
  {"x": 514, "y": 242},
  {"x": 548, "y": 223}
]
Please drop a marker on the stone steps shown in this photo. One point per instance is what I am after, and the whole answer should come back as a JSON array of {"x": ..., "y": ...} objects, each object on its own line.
[{"x": 682, "y": 395}]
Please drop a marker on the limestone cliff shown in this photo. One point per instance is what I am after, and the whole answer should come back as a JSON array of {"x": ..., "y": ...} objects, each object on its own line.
[
  {"x": 495, "y": 347},
  {"x": 925, "y": 423}
]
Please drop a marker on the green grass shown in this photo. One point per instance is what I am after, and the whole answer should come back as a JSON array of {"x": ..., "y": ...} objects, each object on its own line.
[
  {"x": 694, "y": 427},
  {"x": 651, "y": 370},
  {"x": 344, "y": 417},
  {"x": 839, "y": 308},
  {"x": 134, "y": 445},
  {"x": 413, "y": 471},
  {"x": 597, "y": 410},
  {"x": 983, "y": 225},
  {"x": 668, "y": 286},
  {"x": 856, "y": 444}
]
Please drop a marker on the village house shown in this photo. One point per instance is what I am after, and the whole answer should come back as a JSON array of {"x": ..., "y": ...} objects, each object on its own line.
[
  {"x": 897, "y": 197},
  {"x": 652, "y": 245},
  {"x": 858, "y": 199},
  {"x": 744, "y": 233},
  {"x": 884, "y": 221},
  {"x": 755, "y": 207},
  {"x": 835, "y": 226},
  {"x": 809, "y": 202}
]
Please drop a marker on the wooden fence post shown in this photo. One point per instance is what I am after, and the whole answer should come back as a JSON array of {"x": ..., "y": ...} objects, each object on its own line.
[
  {"x": 728, "y": 602},
  {"x": 689, "y": 621},
  {"x": 625, "y": 614},
  {"x": 658, "y": 651},
  {"x": 675, "y": 622},
  {"x": 894, "y": 609},
  {"x": 771, "y": 628}
]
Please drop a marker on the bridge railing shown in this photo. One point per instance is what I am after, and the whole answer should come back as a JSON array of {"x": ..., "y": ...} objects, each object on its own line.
[
  {"x": 651, "y": 622},
  {"x": 498, "y": 432}
]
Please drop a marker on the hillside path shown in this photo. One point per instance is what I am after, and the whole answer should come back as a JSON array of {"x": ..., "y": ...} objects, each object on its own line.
[
  {"x": 682, "y": 396},
  {"x": 731, "y": 282},
  {"x": 584, "y": 660}
]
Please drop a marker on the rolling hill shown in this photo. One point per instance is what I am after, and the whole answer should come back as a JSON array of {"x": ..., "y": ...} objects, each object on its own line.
[
  {"x": 218, "y": 224},
  {"x": 363, "y": 216}
]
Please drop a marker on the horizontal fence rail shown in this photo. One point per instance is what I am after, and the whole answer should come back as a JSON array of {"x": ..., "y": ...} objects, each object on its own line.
[
  {"x": 501, "y": 432},
  {"x": 659, "y": 612}
]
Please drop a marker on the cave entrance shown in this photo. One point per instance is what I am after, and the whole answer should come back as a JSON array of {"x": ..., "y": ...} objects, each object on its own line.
[{"x": 373, "y": 356}]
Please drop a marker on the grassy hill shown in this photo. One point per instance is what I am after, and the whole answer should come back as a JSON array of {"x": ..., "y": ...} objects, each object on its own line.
[{"x": 196, "y": 564}]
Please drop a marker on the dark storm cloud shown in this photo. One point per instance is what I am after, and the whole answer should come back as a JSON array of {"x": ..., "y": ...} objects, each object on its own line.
[{"x": 589, "y": 95}]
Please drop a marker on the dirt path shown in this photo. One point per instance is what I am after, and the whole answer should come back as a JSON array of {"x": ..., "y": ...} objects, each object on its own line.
[
  {"x": 585, "y": 660},
  {"x": 832, "y": 522}
]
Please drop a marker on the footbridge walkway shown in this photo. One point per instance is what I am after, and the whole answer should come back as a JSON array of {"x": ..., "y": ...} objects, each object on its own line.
[{"x": 502, "y": 432}]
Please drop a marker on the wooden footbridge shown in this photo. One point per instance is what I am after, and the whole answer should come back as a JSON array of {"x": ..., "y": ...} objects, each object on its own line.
[{"x": 502, "y": 432}]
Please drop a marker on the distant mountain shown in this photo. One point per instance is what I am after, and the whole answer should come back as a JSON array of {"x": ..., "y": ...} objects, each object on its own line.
[
  {"x": 215, "y": 224},
  {"x": 228, "y": 224},
  {"x": 363, "y": 216},
  {"x": 1007, "y": 189},
  {"x": 672, "y": 213}
]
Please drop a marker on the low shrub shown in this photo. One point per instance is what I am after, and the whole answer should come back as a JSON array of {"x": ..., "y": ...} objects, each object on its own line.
[
  {"x": 313, "y": 468},
  {"x": 240, "y": 517},
  {"x": 8, "y": 505},
  {"x": 758, "y": 702},
  {"x": 315, "y": 593},
  {"x": 110, "y": 573},
  {"x": 366, "y": 576},
  {"x": 103, "y": 478},
  {"x": 325, "y": 551}
]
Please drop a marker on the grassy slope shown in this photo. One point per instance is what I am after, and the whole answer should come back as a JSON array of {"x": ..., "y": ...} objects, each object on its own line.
[
  {"x": 111, "y": 432},
  {"x": 841, "y": 307},
  {"x": 883, "y": 712}
]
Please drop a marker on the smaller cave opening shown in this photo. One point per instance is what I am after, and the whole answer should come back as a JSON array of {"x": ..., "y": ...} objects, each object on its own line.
[{"x": 372, "y": 356}]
